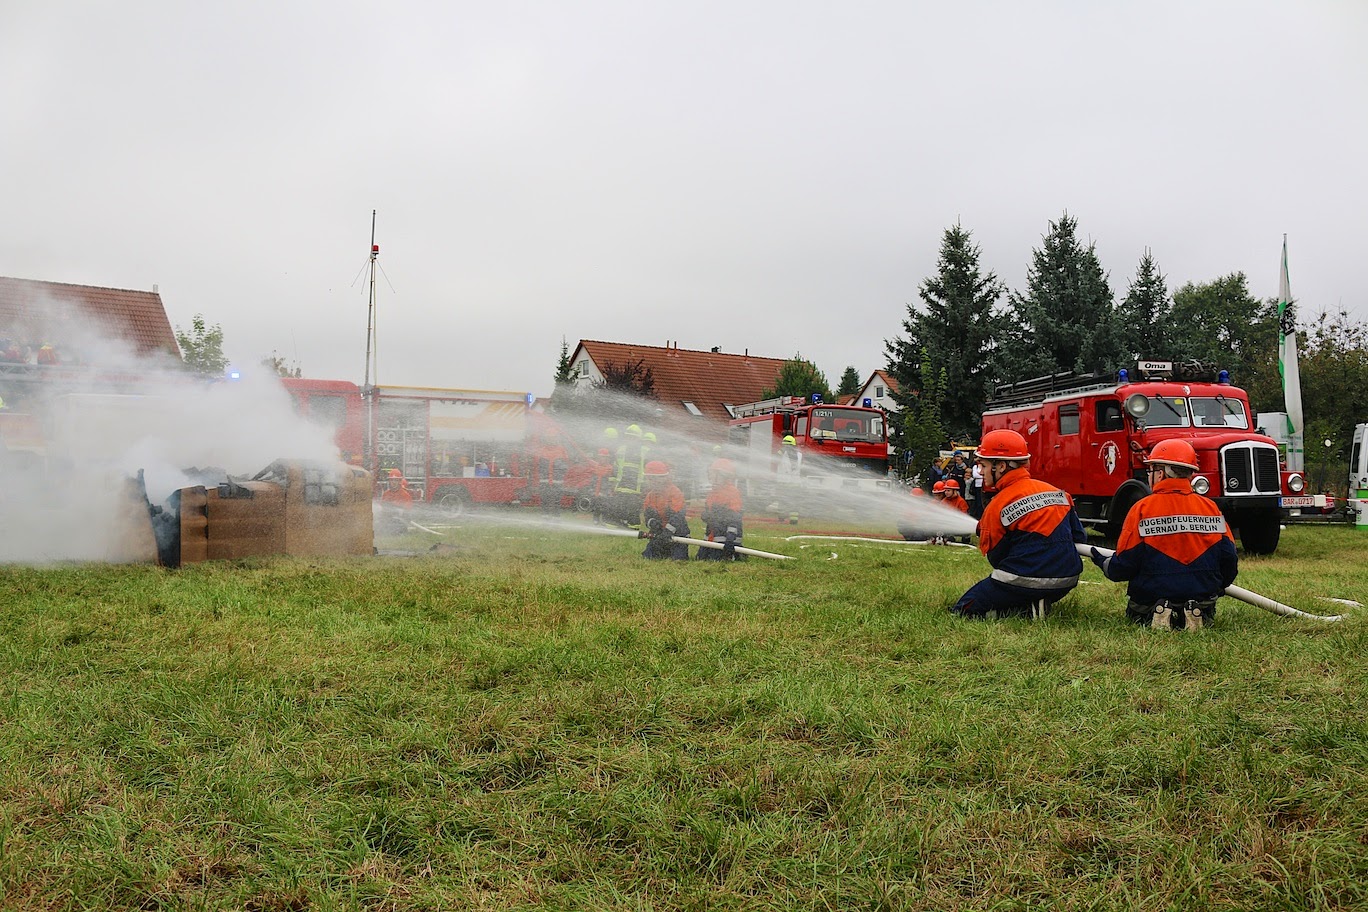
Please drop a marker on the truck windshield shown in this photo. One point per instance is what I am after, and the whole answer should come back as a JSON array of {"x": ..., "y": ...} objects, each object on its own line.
[
  {"x": 1168, "y": 411},
  {"x": 847, "y": 425},
  {"x": 1219, "y": 412}
]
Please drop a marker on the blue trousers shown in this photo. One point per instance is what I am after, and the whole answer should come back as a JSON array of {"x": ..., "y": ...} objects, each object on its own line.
[{"x": 990, "y": 595}]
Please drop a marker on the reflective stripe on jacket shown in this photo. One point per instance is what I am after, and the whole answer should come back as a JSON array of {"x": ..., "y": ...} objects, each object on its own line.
[
  {"x": 1175, "y": 544},
  {"x": 1028, "y": 532}
]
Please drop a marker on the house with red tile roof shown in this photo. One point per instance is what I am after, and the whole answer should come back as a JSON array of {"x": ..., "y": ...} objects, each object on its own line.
[
  {"x": 691, "y": 387},
  {"x": 45, "y": 323},
  {"x": 879, "y": 390}
]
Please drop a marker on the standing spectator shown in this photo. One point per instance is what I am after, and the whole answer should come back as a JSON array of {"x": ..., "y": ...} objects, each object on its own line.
[{"x": 976, "y": 485}]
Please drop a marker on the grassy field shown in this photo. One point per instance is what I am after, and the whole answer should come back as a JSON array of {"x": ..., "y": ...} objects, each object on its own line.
[{"x": 542, "y": 720}]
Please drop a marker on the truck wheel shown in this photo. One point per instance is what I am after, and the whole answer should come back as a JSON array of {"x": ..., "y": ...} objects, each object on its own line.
[
  {"x": 1120, "y": 510},
  {"x": 1259, "y": 533},
  {"x": 454, "y": 500}
]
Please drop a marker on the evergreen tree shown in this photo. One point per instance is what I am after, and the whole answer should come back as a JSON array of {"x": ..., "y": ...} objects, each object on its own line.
[
  {"x": 1145, "y": 316},
  {"x": 565, "y": 370},
  {"x": 1067, "y": 309},
  {"x": 563, "y": 391},
  {"x": 922, "y": 432},
  {"x": 957, "y": 329},
  {"x": 850, "y": 383},
  {"x": 202, "y": 348},
  {"x": 799, "y": 377}
]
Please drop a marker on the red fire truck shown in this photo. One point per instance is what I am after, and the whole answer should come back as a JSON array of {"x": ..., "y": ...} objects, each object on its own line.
[
  {"x": 1089, "y": 434},
  {"x": 839, "y": 445},
  {"x": 455, "y": 448}
]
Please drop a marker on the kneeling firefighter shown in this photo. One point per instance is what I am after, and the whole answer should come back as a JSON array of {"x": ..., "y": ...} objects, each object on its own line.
[
  {"x": 1175, "y": 547},
  {"x": 722, "y": 513},
  {"x": 1027, "y": 533},
  {"x": 662, "y": 515}
]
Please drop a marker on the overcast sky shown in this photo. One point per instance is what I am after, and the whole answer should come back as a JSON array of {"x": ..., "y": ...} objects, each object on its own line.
[{"x": 774, "y": 176}]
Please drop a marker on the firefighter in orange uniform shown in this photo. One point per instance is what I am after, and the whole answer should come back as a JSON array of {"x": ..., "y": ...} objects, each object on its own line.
[
  {"x": 663, "y": 515},
  {"x": 1175, "y": 547},
  {"x": 396, "y": 490},
  {"x": 952, "y": 495},
  {"x": 1027, "y": 533},
  {"x": 722, "y": 513}
]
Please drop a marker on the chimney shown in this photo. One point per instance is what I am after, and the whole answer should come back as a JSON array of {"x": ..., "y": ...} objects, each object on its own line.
[{"x": 154, "y": 288}]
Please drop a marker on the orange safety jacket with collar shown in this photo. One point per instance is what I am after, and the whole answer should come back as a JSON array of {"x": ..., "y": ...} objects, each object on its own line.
[
  {"x": 1028, "y": 532},
  {"x": 1175, "y": 545}
]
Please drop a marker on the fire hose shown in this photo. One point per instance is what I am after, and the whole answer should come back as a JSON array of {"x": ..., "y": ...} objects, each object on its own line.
[
  {"x": 1238, "y": 592},
  {"x": 718, "y": 546}
]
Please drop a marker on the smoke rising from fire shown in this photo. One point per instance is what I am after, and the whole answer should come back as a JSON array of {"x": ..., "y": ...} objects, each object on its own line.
[{"x": 72, "y": 433}]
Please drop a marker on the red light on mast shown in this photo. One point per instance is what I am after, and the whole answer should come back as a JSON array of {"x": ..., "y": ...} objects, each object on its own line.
[{"x": 375, "y": 248}]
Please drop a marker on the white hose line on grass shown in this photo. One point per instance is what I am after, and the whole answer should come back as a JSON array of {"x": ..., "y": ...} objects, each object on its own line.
[
  {"x": 1238, "y": 592},
  {"x": 718, "y": 546},
  {"x": 877, "y": 541}
]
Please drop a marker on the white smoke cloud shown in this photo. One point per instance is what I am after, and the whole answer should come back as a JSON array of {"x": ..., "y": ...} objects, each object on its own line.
[{"x": 71, "y": 434}]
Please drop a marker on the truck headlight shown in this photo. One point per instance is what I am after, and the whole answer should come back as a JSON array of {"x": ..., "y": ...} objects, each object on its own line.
[
  {"x": 1295, "y": 483},
  {"x": 1200, "y": 484}
]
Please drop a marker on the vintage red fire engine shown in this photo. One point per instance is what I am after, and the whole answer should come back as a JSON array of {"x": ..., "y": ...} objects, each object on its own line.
[{"x": 1089, "y": 434}]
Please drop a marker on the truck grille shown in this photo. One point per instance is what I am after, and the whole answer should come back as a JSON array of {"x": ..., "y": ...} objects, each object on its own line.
[{"x": 1248, "y": 468}]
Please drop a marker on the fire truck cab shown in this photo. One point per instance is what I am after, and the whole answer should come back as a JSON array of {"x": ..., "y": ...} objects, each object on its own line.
[
  {"x": 1089, "y": 435},
  {"x": 837, "y": 445}
]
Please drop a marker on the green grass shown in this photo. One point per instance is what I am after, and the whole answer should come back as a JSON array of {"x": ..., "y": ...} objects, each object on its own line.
[{"x": 547, "y": 721}]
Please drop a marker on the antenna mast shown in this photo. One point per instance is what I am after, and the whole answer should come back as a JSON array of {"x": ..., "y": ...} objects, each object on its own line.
[
  {"x": 372, "y": 360},
  {"x": 372, "y": 342}
]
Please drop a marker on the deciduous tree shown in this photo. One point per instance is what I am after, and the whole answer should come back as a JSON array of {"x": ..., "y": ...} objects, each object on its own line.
[
  {"x": 799, "y": 377},
  {"x": 202, "y": 348}
]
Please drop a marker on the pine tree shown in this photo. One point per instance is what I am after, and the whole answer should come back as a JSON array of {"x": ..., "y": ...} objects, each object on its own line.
[
  {"x": 1145, "y": 316},
  {"x": 957, "y": 329},
  {"x": 922, "y": 432},
  {"x": 563, "y": 391},
  {"x": 1067, "y": 310},
  {"x": 850, "y": 383}
]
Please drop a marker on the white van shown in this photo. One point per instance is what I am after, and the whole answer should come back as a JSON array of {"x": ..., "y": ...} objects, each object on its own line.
[{"x": 1358, "y": 463}]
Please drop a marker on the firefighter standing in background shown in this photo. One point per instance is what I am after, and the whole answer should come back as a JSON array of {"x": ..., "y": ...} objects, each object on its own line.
[
  {"x": 395, "y": 502},
  {"x": 1027, "y": 533},
  {"x": 602, "y": 469},
  {"x": 1175, "y": 547},
  {"x": 550, "y": 464},
  {"x": 789, "y": 473},
  {"x": 662, "y": 515},
  {"x": 396, "y": 490},
  {"x": 722, "y": 513},
  {"x": 630, "y": 464}
]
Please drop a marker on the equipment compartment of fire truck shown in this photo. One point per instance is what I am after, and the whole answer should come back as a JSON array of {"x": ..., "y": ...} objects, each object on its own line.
[
  {"x": 1089, "y": 435},
  {"x": 454, "y": 448}
]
